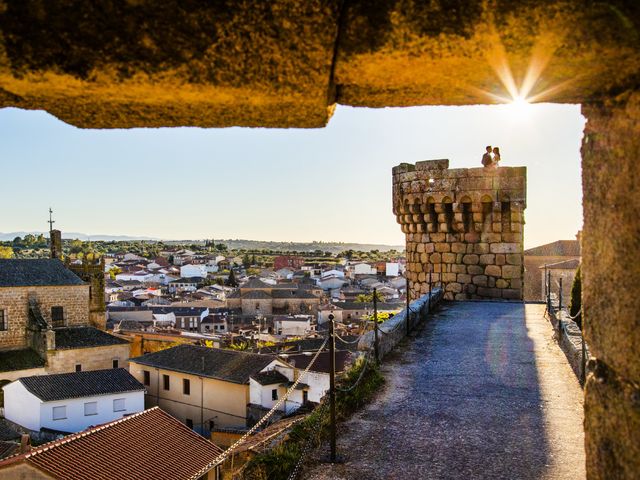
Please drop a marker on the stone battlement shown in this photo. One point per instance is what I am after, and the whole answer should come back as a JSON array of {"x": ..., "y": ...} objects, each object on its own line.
[{"x": 464, "y": 226}]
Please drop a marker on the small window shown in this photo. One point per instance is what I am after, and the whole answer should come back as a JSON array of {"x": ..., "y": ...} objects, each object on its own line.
[
  {"x": 90, "y": 408},
  {"x": 189, "y": 423},
  {"x": 305, "y": 396},
  {"x": 115, "y": 363},
  {"x": 186, "y": 386},
  {"x": 3, "y": 320},
  {"x": 78, "y": 367},
  {"x": 274, "y": 394},
  {"x": 59, "y": 413},
  {"x": 147, "y": 377},
  {"x": 57, "y": 316},
  {"x": 119, "y": 405},
  {"x": 165, "y": 382}
]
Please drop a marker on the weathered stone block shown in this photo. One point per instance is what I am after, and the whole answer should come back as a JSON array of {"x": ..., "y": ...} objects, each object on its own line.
[
  {"x": 493, "y": 271},
  {"x": 457, "y": 268},
  {"x": 458, "y": 247},
  {"x": 480, "y": 280},
  {"x": 505, "y": 248},
  {"x": 443, "y": 247},
  {"x": 475, "y": 269},
  {"x": 448, "y": 257},
  {"x": 481, "y": 248},
  {"x": 449, "y": 277},
  {"x": 489, "y": 292},
  {"x": 463, "y": 278},
  {"x": 491, "y": 238},
  {"x": 514, "y": 259},
  {"x": 510, "y": 271},
  {"x": 487, "y": 259},
  {"x": 470, "y": 259},
  {"x": 501, "y": 283},
  {"x": 453, "y": 287},
  {"x": 500, "y": 259}
]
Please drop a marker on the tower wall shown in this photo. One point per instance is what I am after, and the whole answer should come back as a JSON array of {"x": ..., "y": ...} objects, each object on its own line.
[{"x": 464, "y": 226}]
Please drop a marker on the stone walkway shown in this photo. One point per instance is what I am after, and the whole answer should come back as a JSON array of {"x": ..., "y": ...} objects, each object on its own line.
[{"x": 481, "y": 392}]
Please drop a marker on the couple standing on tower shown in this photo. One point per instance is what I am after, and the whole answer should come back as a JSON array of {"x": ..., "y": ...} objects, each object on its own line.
[{"x": 491, "y": 158}]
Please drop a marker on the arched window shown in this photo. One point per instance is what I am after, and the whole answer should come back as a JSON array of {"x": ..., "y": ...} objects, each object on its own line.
[
  {"x": 448, "y": 213},
  {"x": 467, "y": 214},
  {"x": 487, "y": 213}
]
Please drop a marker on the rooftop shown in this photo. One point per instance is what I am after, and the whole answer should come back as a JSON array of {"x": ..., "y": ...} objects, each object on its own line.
[
  {"x": 84, "y": 337},
  {"x": 38, "y": 272},
  {"x": 62, "y": 386},
  {"x": 23, "y": 359},
  {"x": 144, "y": 446},
  {"x": 272, "y": 377},
  {"x": 228, "y": 365},
  {"x": 559, "y": 248}
]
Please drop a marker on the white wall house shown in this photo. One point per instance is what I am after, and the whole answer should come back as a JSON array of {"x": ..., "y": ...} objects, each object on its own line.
[
  {"x": 139, "y": 276},
  {"x": 333, "y": 273},
  {"x": 190, "y": 271},
  {"x": 364, "y": 269},
  {"x": 296, "y": 325},
  {"x": 71, "y": 402},
  {"x": 392, "y": 269}
]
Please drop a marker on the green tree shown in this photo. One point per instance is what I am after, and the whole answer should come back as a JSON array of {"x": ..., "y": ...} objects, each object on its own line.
[
  {"x": 575, "y": 306},
  {"x": 76, "y": 246},
  {"x": 368, "y": 298},
  {"x": 221, "y": 247},
  {"x": 246, "y": 260},
  {"x": 114, "y": 271},
  {"x": 231, "y": 281},
  {"x": 6, "y": 252}
]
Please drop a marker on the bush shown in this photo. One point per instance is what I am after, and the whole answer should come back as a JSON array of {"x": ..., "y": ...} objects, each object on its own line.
[{"x": 576, "y": 299}]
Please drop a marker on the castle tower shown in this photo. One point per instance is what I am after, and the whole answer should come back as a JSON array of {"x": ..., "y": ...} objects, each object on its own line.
[{"x": 465, "y": 226}]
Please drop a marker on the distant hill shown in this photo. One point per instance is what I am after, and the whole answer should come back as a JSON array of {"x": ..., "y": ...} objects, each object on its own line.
[
  {"x": 81, "y": 236},
  {"x": 333, "y": 247}
]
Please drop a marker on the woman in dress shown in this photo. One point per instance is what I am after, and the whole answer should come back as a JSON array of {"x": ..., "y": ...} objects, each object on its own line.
[{"x": 496, "y": 157}]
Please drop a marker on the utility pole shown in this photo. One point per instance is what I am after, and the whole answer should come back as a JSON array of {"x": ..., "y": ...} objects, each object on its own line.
[
  {"x": 332, "y": 387},
  {"x": 376, "y": 344}
]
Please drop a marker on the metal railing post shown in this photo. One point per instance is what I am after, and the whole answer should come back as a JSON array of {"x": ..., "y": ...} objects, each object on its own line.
[
  {"x": 376, "y": 343},
  {"x": 560, "y": 295},
  {"x": 408, "y": 316},
  {"x": 332, "y": 387}
]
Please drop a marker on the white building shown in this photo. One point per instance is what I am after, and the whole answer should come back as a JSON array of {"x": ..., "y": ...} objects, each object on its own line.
[
  {"x": 363, "y": 269},
  {"x": 392, "y": 269},
  {"x": 294, "y": 325},
  {"x": 71, "y": 402},
  {"x": 333, "y": 273},
  {"x": 190, "y": 271},
  {"x": 140, "y": 276}
]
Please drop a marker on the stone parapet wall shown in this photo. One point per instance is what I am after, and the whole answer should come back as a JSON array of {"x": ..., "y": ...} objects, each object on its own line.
[
  {"x": 394, "y": 330},
  {"x": 464, "y": 227}
]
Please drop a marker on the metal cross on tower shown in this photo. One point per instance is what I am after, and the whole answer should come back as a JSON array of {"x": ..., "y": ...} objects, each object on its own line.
[{"x": 51, "y": 220}]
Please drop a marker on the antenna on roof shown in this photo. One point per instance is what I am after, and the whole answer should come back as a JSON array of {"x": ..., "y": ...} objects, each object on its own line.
[{"x": 51, "y": 220}]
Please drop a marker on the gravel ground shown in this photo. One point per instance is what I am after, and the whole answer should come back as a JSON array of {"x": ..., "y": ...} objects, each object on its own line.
[{"x": 482, "y": 391}]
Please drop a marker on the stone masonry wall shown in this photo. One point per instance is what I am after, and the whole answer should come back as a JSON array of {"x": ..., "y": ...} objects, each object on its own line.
[
  {"x": 15, "y": 303},
  {"x": 464, "y": 226},
  {"x": 611, "y": 286}
]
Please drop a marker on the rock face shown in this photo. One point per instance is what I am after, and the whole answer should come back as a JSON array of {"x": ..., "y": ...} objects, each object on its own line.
[{"x": 464, "y": 228}]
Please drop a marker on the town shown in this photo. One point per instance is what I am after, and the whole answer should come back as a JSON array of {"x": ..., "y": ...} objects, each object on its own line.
[{"x": 195, "y": 333}]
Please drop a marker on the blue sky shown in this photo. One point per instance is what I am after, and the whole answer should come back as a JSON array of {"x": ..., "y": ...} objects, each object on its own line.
[{"x": 331, "y": 184}]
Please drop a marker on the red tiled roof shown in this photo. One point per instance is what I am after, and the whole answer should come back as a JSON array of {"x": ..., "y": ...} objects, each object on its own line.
[{"x": 144, "y": 446}]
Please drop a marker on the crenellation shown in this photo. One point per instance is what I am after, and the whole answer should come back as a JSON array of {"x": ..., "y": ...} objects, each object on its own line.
[{"x": 463, "y": 225}]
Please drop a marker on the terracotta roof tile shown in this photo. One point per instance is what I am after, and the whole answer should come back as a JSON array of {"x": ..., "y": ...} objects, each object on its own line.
[{"x": 145, "y": 446}]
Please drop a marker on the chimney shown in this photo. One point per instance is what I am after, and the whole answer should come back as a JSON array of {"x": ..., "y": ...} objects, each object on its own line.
[
  {"x": 55, "y": 237},
  {"x": 25, "y": 443}
]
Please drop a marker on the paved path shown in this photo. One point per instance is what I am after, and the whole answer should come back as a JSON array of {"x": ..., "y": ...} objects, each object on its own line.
[{"x": 482, "y": 391}]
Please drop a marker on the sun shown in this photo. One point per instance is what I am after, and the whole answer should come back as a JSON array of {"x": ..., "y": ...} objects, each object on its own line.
[{"x": 519, "y": 107}]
